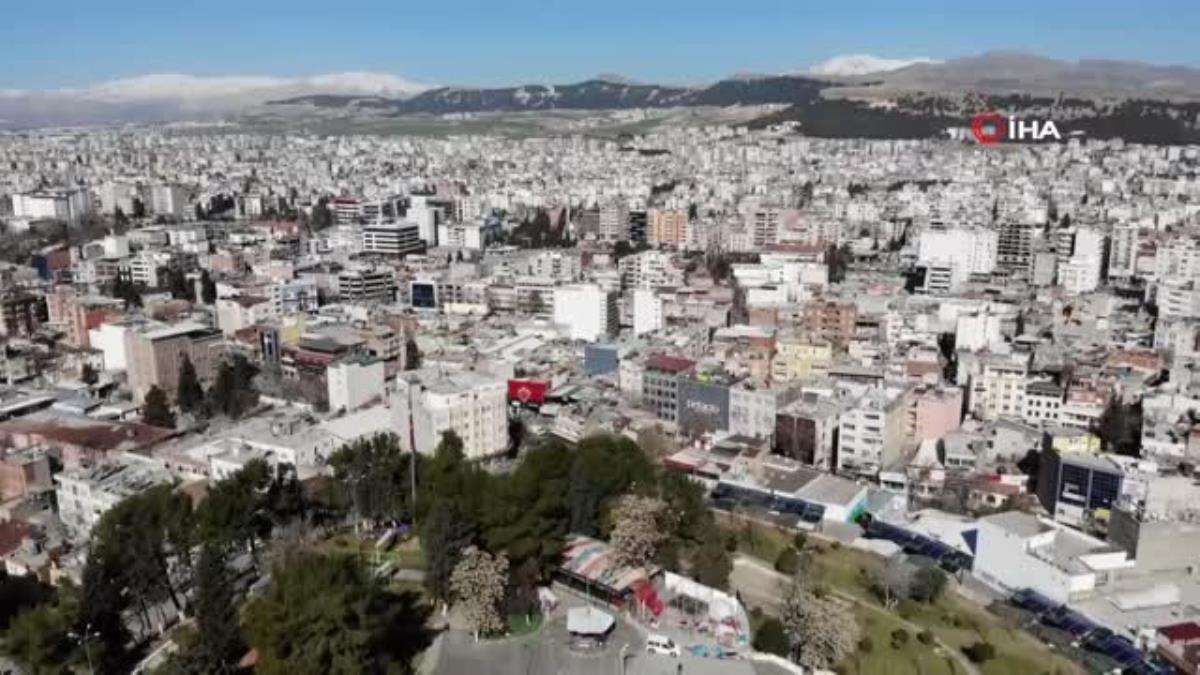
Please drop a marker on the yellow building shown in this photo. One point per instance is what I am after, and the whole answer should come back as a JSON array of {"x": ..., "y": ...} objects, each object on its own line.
[{"x": 799, "y": 356}]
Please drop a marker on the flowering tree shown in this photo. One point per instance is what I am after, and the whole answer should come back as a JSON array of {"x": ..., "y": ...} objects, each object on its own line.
[
  {"x": 638, "y": 529},
  {"x": 823, "y": 631},
  {"x": 477, "y": 583}
]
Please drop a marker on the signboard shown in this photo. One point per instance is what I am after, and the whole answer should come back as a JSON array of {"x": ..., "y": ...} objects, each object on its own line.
[{"x": 528, "y": 391}]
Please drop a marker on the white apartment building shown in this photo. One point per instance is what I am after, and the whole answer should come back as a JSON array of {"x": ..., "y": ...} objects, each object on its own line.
[
  {"x": 871, "y": 432},
  {"x": 354, "y": 382},
  {"x": 1123, "y": 251},
  {"x": 85, "y": 494},
  {"x": 68, "y": 204},
  {"x": 464, "y": 236},
  {"x": 649, "y": 269},
  {"x": 1042, "y": 404},
  {"x": 614, "y": 221},
  {"x": 999, "y": 388},
  {"x": 586, "y": 311},
  {"x": 367, "y": 284},
  {"x": 977, "y": 330},
  {"x": 647, "y": 311},
  {"x": 556, "y": 265},
  {"x": 169, "y": 200},
  {"x": 392, "y": 239},
  {"x": 973, "y": 250},
  {"x": 472, "y": 405},
  {"x": 1178, "y": 299}
]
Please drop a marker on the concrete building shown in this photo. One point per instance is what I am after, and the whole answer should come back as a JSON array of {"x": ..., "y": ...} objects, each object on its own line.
[
  {"x": 367, "y": 285},
  {"x": 871, "y": 431},
  {"x": 660, "y": 384},
  {"x": 586, "y": 312},
  {"x": 68, "y": 204},
  {"x": 155, "y": 354},
  {"x": 935, "y": 412},
  {"x": 647, "y": 311},
  {"x": 666, "y": 226},
  {"x": 85, "y": 494},
  {"x": 1073, "y": 486},
  {"x": 472, "y": 405},
  {"x": 354, "y": 382},
  {"x": 999, "y": 388},
  {"x": 76, "y": 313},
  {"x": 391, "y": 239},
  {"x": 242, "y": 311},
  {"x": 829, "y": 320},
  {"x": 806, "y": 430},
  {"x": 169, "y": 200},
  {"x": 1016, "y": 550}
]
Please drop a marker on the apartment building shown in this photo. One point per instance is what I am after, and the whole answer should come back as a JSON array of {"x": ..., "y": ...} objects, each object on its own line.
[{"x": 473, "y": 405}]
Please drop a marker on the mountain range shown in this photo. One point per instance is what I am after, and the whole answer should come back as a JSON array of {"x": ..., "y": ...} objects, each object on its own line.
[{"x": 168, "y": 97}]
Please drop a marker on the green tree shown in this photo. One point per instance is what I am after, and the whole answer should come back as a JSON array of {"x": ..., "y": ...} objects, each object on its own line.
[
  {"x": 373, "y": 475},
  {"x": 772, "y": 638},
  {"x": 233, "y": 393},
  {"x": 189, "y": 394},
  {"x": 234, "y": 510},
  {"x": 326, "y": 614},
  {"x": 711, "y": 564},
  {"x": 219, "y": 643},
  {"x": 102, "y": 600},
  {"x": 928, "y": 584},
  {"x": 39, "y": 639},
  {"x": 445, "y": 533},
  {"x": 156, "y": 411},
  {"x": 208, "y": 288}
]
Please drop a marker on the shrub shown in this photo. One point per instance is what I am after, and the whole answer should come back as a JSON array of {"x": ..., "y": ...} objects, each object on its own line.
[
  {"x": 899, "y": 638},
  {"x": 866, "y": 645},
  {"x": 925, "y": 637},
  {"x": 907, "y": 609},
  {"x": 980, "y": 652},
  {"x": 799, "y": 540},
  {"x": 788, "y": 562},
  {"x": 772, "y": 638}
]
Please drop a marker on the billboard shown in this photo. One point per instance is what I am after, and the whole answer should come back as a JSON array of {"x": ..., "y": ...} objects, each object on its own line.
[{"x": 528, "y": 391}]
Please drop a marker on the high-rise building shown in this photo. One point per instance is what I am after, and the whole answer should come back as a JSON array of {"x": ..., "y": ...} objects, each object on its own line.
[
  {"x": 586, "y": 311},
  {"x": 666, "y": 226}
]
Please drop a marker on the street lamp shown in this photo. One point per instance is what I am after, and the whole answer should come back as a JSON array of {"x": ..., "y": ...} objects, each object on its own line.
[{"x": 83, "y": 641}]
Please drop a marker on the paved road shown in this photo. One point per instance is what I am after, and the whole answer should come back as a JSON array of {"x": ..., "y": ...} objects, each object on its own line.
[{"x": 759, "y": 584}]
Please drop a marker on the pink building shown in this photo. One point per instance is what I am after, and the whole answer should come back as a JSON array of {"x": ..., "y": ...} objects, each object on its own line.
[{"x": 935, "y": 412}]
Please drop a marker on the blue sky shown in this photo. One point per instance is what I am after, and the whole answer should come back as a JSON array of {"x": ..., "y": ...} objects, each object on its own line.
[{"x": 46, "y": 45}]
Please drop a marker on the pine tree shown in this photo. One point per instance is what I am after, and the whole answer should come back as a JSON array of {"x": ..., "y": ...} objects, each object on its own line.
[
  {"x": 219, "y": 644},
  {"x": 189, "y": 394},
  {"x": 208, "y": 288},
  {"x": 155, "y": 409}
]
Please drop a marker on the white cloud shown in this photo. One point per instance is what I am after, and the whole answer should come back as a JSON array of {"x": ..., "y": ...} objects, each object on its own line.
[
  {"x": 174, "y": 96},
  {"x": 862, "y": 64},
  {"x": 187, "y": 87}
]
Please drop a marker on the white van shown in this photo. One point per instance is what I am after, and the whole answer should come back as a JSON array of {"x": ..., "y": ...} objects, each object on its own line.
[{"x": 661, "y": 644}]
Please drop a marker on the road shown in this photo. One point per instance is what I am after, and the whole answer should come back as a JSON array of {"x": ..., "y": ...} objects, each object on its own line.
[{"x": 759, "y": 584}]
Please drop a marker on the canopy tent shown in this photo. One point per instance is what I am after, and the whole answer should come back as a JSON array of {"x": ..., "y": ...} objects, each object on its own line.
[{"x": 588, "y": 621}]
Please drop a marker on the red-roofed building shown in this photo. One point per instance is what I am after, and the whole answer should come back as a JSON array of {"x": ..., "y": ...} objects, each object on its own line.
[{"x": 1179, "y": 645}]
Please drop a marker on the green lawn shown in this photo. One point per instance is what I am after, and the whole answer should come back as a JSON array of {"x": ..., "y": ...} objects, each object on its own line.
[
  {"x": 520, "y": 624},
  {"x": 406, "y": 555},
  {"x": 913, "y": 658}
]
